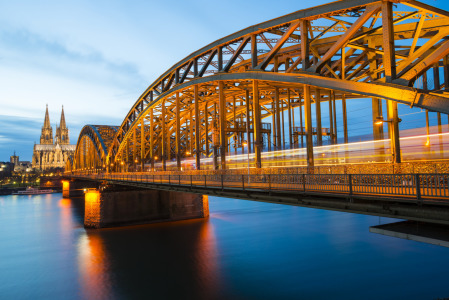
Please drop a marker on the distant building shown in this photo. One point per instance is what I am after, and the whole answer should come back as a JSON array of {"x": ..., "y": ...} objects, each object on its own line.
[
  {"x": 5, "y": 169},
  {"x": 23, "y": 166},
  {"x": 16, "y": 165},
  {"x": 14, "y": 159},
  {"x": 52, "y": 153}
]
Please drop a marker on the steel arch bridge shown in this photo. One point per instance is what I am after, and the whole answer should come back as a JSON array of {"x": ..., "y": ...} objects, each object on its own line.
[
  {"x": 92, "y": 147},
  {"x": 219, "y": 96}
]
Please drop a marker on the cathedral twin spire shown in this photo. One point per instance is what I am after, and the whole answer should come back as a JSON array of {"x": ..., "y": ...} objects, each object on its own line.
[
  {"x": 62, "y": 132},
  {"x": 47, "y": 119},
  {"x": 62, "y": 121}
]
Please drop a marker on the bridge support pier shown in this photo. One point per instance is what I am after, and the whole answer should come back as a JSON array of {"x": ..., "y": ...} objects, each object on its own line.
[
  {"x": 75, "y": 188},
  {"x": 116, "y": 206}
]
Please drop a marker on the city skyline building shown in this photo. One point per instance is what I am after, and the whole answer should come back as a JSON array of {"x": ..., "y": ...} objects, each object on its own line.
[
  {"x": 14, "y": 159},
  {"x": 52, "y": 151}
]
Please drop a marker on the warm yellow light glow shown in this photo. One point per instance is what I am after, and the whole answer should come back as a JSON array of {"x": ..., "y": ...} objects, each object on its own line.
[
  {"x": 91, "y": 196},
  {"x": 155, "y": 157},
  {"x": 379, "y": 122},
  {"x": 65, "y": 185},
  {"x": 135, "y": 160},
  {"x": 65, "y": 202},
  {"x": 187, "y": 152},
  {"x": 93, "y": 263},
  {"x": 121, "y": 163}
]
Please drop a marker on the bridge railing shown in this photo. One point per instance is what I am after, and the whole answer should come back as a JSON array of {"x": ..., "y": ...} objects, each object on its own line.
[
  {"x": 423, "y": 167},
  {"x": 406, "y": 186}
]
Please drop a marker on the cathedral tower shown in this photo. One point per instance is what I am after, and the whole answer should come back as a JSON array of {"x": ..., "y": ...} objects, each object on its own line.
[
  {"x": 47, "y": 131},
  {"x": 62, "y": 132},
  {"x": 48, "y": 155}
]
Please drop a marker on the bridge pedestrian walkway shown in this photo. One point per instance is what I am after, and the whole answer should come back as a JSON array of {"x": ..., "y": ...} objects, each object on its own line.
[{"x": 412, "y": 188}]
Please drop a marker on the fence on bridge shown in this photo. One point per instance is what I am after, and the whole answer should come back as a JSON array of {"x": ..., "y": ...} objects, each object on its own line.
[
  {"x": 410, "y": 187},
  {"x": 417, "y": 167}
]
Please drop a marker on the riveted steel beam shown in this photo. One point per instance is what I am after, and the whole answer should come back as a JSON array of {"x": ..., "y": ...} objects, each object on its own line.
[
  {"x": 370, "y": 10},
  {"x": 308, "y": 123}
]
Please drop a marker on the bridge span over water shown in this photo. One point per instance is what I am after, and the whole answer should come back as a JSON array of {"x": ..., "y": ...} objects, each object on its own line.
[{"x": 267, "y": 96}]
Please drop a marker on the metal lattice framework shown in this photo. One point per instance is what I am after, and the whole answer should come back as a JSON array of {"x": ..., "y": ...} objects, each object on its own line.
[
  {"x": 219, "y": 95},
  {"x": 92, "y": 147}
]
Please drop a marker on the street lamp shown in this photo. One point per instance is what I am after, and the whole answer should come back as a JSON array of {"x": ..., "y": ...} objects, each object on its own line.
[
  {"x": 394, "y": 135},
  {"x": 380, "y": 120}
]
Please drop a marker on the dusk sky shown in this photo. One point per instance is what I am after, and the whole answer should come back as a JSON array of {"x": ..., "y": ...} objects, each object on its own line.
[{"x": 97, "y": 57}]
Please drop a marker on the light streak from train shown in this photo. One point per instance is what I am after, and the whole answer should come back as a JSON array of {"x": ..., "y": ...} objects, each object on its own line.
[{"x": 413, "y": 148}]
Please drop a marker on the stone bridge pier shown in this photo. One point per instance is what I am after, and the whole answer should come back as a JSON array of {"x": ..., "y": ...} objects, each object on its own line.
[
  {"x": 109, "y": 205},
  {"x": 76, "y": 188}
]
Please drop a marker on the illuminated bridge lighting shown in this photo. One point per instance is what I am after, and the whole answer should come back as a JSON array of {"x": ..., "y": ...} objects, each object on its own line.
[{"x": 254, "y": 91}]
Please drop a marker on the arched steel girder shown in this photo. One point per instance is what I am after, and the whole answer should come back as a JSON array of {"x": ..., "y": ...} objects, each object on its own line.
[
  {"x": 333, "y": 8},
  {"x": 100, "y": 135},
  {"x": 365, "y": 43},
  {"x": 69, "y": 163},
  {"x": 400, "y": 94}
]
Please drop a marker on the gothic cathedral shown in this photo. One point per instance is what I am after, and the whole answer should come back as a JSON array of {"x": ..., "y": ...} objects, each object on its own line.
[{"x": 52, "y": 152}]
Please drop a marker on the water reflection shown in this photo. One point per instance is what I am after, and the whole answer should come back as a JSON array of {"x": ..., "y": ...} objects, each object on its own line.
[
  {"x": 65, "y": 203},
  {"x": 206, "y": 258},
  {"x": 66, "y": 220},
  {"x": 93, "y": 267},
  {"x": 167, "y": 260},
  {"x": 245, "y": 250}
]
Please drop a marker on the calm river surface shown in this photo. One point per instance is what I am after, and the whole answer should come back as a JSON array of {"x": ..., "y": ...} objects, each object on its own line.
[{"x": 245, "y": 250}]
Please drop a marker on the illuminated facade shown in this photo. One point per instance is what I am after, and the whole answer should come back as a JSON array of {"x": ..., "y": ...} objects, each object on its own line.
[{"x": 52, "y": 152}]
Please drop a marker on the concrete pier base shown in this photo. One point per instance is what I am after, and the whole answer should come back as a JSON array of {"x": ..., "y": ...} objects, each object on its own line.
[
  {"x": 110, "y": 208},
  {"x": 75, "y": 188}
]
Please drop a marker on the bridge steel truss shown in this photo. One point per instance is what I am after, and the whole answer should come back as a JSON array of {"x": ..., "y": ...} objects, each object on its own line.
[
  {"x": 92, "y": 147},
  {"x": 221, "y": 94}
]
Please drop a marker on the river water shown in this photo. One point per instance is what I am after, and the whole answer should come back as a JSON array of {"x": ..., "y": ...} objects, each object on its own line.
[{"x": 245, "y": 250}]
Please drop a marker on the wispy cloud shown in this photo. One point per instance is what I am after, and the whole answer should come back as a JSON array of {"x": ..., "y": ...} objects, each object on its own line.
[{"x": 27, "y": 49}]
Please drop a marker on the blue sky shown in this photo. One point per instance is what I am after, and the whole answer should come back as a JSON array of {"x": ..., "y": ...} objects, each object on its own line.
[{"x": 97, "y": 57}]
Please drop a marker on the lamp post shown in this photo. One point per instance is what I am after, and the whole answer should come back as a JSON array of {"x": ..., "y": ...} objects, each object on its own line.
[
  {"x": 245, "y": 143},
  {"x": 155, "y": 158},
  {"x": 184, "y": 163},
  {"x": 394, "y": 136}
]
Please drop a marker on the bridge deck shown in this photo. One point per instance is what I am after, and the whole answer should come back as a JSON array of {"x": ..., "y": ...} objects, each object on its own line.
[{"x": 422, "y": 197}]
